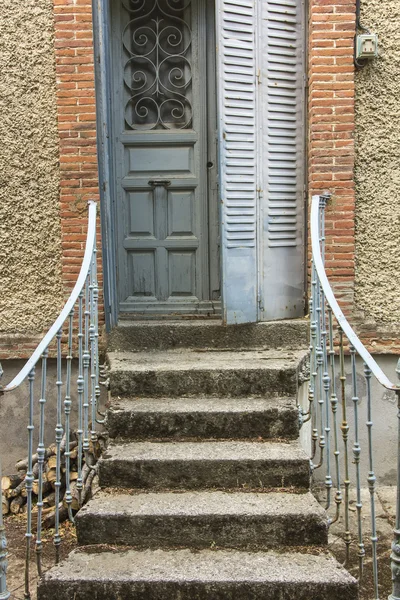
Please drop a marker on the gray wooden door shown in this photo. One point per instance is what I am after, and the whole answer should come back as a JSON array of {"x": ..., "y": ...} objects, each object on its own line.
[{"x": 164, "y": 132}]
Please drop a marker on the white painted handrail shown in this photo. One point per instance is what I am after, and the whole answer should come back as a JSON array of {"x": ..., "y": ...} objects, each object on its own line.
[
  {"x": 87, "y": 259},
  {"x": 331, "y": 300}
]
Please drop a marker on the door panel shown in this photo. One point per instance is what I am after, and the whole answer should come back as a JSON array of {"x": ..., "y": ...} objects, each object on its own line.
[
  {"x": 238, "y": 158},
  {"x": 160, "y": 110},
  {"x": 283, "y": 153}
]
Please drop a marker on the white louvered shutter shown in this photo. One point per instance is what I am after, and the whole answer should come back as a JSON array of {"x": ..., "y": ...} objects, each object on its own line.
[
  {"x": 237, "y": 148},
  {"x": 283, "y": 148}
]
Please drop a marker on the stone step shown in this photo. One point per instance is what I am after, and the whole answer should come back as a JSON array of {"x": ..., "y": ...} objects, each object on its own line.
[
  {"x": 168, "y": 335},
  {"x": 204, "y": 575},
  {"x": 203, "y": 520},
  {"x": 194, "y": 373},
  {"x": 202, "y": 465},
  {"x": 223, "y": 418}
]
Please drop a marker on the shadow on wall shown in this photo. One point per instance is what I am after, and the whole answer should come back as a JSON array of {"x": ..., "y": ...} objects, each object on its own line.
[
  {"x": 384, "y": 430},
  {"x": 14, "y": 411}
]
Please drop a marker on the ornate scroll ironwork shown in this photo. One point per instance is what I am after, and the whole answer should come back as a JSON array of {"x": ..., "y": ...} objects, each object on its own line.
[{"x": 157, "y": 44}]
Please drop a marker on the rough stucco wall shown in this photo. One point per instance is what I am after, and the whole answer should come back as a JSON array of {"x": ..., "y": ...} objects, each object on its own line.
[
  {"x": 378, "y": 168},
  {"x": 30, "y": 239}
]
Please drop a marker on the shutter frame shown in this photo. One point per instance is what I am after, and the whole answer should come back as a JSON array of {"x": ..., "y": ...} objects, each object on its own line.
[{"x": 237, "y": 58}]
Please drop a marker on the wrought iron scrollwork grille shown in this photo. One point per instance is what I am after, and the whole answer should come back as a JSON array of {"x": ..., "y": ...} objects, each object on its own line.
[{"x": 157, "y": 46}]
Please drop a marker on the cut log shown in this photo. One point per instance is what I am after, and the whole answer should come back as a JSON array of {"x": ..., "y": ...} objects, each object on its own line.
[
  {"x": 73, "y": 455},
  {"x": 50, "y": 519},
  {"x": 47, "y": 487},
  {"x": 50, "y": 500},
  {"x": 5, "y": 504},
  {"x": 23, "y": 464},
  {"x": 75, "y": 498},
  {"x": 10, "y": 482},
  {"x": 17, "y": 490},
  {"x": 16, "y": 504},
  {"x": 35, "y": 512},
  {"x": 51, "y": 463},
  {"x": 51, "y": 476}
]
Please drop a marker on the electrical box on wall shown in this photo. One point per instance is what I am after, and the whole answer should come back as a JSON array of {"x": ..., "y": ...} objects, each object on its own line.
[{"x": 366, "y": 46}]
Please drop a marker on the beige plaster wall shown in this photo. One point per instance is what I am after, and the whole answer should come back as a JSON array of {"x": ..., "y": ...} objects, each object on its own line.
[
  {"x": 30, "y": 238},
  {"x": 378, "y": 168}
]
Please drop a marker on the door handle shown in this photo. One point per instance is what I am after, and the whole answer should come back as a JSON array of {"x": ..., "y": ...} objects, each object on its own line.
[{"x": 159, "y": 182}]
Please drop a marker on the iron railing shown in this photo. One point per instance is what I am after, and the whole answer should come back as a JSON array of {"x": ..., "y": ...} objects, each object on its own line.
[
  {"x": 330, "y": 337},
  {"x": 79, "y": 318}
]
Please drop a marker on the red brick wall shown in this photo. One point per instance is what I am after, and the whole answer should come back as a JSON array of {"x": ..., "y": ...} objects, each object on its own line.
[
  {"x": 331, "y": 133},
  {"x": 77, "y": 128}
]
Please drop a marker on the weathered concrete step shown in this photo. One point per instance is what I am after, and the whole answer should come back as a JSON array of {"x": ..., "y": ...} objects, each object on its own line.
[
  {"x": 193, "y": 373},
  {"x": 202, "y": 465},
  {"x": 229, "y": 418},
  {"x": 204, "y": 575},
  {"x": 203, "y": 519},
  {"x": 167, "y": 335}
]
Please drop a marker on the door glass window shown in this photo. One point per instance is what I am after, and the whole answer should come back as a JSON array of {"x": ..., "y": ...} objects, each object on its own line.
[{"x": 157, "y": 54}]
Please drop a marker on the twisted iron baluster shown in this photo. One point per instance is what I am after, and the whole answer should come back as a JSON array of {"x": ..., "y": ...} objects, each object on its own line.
[
  {"x": 334, "y": 407},
  {"x": 4, "y": 593},
  {"x": 327, "y": 385},
  {"x": 357, "y": 457},
  {"x": 372, "y": 481},
  {"x": 67, "y": 412},
  {"x": 320, "y": 354},
  {"x": 345, "y": 435},
  {"x": 307, "y": 416},
  {"x": 92, "y": 340},
  {"x": 79, "y": 481},
  {"x": 41, "y": 457},
  {"x": 96, "y": 335},
  {"x": 29, "y": 478},
  {"x": 395, "y": 555},
  {"x": 59, "y": 436},
  {"x": 313, "y": 364},
  {"x": 86, "y": 365}
]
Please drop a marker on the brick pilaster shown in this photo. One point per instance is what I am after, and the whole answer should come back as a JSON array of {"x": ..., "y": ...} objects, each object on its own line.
[
  {"x": 331, "y": 133},
  {"x": 77, "y": 128}
]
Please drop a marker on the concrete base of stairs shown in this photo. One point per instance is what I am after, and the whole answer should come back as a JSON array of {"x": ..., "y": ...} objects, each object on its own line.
[
  {"x": 202, "y": 465},
  {"x": 222, "y": 418},
  {"x": 203, "y": 520},
  {"x": 195, "y": 373},
  {"x": 186, "y": 575},
  {"x": 169, "y": 335}
]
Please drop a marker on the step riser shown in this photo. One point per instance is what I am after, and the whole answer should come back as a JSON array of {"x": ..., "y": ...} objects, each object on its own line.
[
  {"x": 167, "y": 336},
  {"x": 191, "y": 475},
  {"x": 227, "y": 531},
  {"x": 211, "y": 382},
  {"x": 273, "y": 423},
  {"x": 193, "y": 590}
]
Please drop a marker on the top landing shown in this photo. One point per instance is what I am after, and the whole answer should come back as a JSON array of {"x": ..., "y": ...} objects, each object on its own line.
[{"x": 202, "y": 334}]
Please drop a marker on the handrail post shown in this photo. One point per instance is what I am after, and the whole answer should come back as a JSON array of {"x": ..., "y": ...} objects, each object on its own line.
[
  {"x": 395, "y": 555},
  {"x": 4, "y": 593}
]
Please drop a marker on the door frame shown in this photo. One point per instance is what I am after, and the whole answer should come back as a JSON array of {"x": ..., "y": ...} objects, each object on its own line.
[{"x": 102, "y": 57}]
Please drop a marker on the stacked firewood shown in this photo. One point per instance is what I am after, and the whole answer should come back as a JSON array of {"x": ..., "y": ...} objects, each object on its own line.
[{"x": 13, "y": 487}]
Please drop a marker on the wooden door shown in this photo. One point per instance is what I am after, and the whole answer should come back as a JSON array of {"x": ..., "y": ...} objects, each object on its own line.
[{"x": 164, "y": 124}]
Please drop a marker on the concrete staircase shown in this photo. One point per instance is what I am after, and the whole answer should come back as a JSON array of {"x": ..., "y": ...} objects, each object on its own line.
[{"x": 205, "y": 488}]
